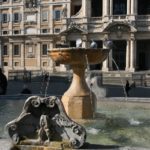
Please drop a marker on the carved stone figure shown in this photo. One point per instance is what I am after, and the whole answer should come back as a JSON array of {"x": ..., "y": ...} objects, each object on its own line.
[{"x": 44, "y": 120}]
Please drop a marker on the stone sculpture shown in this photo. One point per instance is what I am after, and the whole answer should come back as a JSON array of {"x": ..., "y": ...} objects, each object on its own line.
[{"x": 44, "y": 120}]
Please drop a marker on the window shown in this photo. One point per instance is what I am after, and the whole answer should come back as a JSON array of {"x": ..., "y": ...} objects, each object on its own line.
[
  {"x": 16, "y": 17},
  {"x": 31, "y": 3},
  {"x": 45, "y": 16},
  {"x": 5, "y": 32},
  {"x": 119, "y": 7},
  {"x": 96, "y": 8},
  {"x": 5, "y": 63},
  {"x": 57, "y": 15},
  {"x": 5, "y": 18},
  {"x": 44, "y": 30},
  {"x": 44, "y": 49},
  {"x": 57, "y": 30},
  {"x": 143, "y": 7},
  {"x": 16, "y": 31},
  {"x": 5, "y": 50},
  {"x": 16, "y": 50}
]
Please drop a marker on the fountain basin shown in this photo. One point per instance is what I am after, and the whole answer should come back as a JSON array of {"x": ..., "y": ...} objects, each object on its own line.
[
  {"x": 74, "y": 56},
  {"x": 79, "y": 95},
  {"x": 118, "y": 122}
]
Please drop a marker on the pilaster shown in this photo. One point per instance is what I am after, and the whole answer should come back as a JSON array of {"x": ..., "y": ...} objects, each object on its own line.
[
  {"x": 11, "y": 55},
  {"x": 39, "y": 20},
  {"x": 51, "y": 19},
  {"x": 51, "y": 62},
  {"x": 38, "y": 52},
  {"x": 23, "y": 55},
  {"x": 10, "y": 28},
  {"x": 1, "y": 64}
]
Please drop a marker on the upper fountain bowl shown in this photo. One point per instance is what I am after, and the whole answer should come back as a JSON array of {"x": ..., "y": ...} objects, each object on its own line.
[{"x": 78, "y": 55}]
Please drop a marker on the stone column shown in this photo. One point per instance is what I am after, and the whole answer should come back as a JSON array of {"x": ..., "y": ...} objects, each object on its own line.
[
  {"x": 128, "y": 56},
  {"x": 133, "y": 7},
  {"x": 106, "y": 8},
  {"x": 129, "y": 7},
  {"x": 132, "y": 55},
  {"x": 111, "y": 7},
  {"x": 1, "y": 64},
  {"x": 38, "y": 55},
  {"x": 11, "y": 55}
]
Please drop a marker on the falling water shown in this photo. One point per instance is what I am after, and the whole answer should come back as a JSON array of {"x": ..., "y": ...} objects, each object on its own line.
[
  {"x": 132, "y": 121},
  {"x": 45, "y": 82},
  {"x": 88, "y": 69},
  {"x": 125, "y": 93}
]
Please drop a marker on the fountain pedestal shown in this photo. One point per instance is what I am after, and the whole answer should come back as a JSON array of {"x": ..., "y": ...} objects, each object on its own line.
[{"x": 78, "y": 100}]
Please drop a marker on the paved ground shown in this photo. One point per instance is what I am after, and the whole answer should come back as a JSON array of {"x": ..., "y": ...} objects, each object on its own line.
[{"x": 6, "y": 145}]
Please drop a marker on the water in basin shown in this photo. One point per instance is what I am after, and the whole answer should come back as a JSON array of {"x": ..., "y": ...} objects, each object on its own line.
[{"x": 117, "y": 123}]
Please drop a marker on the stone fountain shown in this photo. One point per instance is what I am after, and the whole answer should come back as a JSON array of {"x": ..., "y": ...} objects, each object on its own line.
[
  {"x": 78, "y": 100},
  {"x": 44, "y": 122}
]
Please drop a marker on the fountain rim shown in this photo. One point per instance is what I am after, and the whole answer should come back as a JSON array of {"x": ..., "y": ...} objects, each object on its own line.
[{"x": 77, "y": 49}]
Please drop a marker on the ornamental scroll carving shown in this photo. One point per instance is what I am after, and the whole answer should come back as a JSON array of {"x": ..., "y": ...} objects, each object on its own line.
[{"x": 44, "y": 120}]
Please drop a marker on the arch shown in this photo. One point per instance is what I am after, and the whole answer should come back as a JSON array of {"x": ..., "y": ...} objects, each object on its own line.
[{"x": 119, "y": 26}]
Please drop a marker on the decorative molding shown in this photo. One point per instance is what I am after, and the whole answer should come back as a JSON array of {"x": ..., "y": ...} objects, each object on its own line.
[{"x": 44, "y": 120}]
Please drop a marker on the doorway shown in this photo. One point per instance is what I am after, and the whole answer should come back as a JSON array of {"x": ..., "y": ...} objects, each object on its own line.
[{"x": 119, "y": 54}]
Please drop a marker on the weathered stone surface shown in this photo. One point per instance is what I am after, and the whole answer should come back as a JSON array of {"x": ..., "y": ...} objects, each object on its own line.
[{"x": 43, "y": 121}]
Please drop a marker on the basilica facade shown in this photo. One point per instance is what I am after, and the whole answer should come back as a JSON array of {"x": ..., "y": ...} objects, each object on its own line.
[{"x": 29, "y": 28}]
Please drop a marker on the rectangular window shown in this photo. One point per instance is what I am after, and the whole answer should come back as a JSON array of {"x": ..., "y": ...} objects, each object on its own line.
[
  {"x": 16, "y": 17},
  {"x": 5, "y": 50},
  {"x": 16, "y": 50},
  {"x": 44, "y": 30},
  {"x": 45, "y": 16},
  {"x": 44, "y": 49},
  {"x": 119, "y": 7},
  {"x": 16, "y": 31},
  {"x": 57, "y": 15},
  {"x": 5, "y": 63},
  {"x": 57, "y": 30},
  {"x": 4, "y": 18},
  {"x": 5, "y": 32}
]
